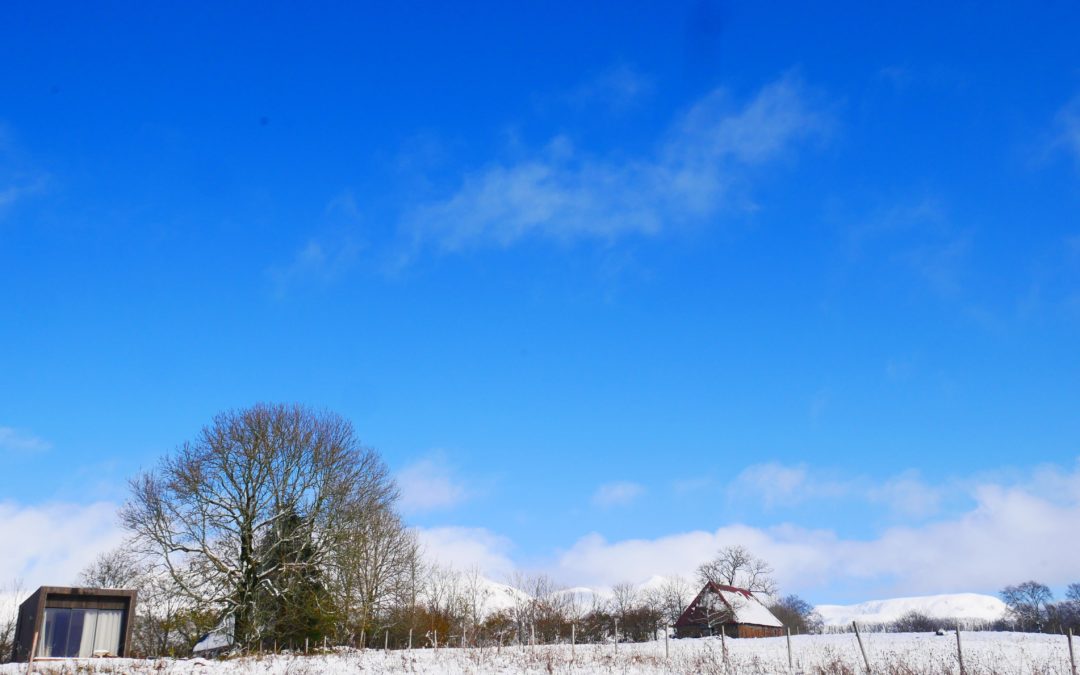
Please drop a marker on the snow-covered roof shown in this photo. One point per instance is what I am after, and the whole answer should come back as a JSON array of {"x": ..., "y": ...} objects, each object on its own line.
[
  {"x": 213, "y": 642},
  {"x": 217, "y": 639},
  {"x": 745, "y": 607}
]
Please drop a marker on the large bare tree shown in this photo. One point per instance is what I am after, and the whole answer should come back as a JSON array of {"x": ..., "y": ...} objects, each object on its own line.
[
  {"x": 212, "y": 513},
  {"x": 737, "y": 566},
  {"x": 1028, "y": 602}
]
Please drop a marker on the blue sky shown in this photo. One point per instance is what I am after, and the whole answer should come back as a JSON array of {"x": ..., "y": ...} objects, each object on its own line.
[{"x": 608, "y": 286}]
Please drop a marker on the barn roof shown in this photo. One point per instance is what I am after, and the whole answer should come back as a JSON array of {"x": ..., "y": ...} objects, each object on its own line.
[{"x": 744, "y": 605}]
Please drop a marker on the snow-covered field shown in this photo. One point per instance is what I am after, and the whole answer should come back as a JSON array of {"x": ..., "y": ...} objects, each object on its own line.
[{"x": 906, "y": 653}]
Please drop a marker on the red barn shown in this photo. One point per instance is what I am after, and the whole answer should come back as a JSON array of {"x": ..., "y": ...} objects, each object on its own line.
[{"x": 734, "y": 611}]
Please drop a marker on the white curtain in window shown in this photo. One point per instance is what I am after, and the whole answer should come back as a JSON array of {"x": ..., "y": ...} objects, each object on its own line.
[
  {"x": 108, "y": 631},
  {"x": 86, "y": 645}
]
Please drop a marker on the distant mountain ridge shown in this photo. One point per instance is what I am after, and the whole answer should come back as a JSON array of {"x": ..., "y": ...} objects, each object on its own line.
[
  {"x": 970, "y": 606},
  {"x": 965, "y": 606}
]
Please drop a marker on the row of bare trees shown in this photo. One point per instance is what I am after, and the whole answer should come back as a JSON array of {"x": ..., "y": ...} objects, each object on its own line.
[
  {"x": 276, "y": 527},
  {"x": 1032, "y": 607},
  {"x": 276, "y": 522}
]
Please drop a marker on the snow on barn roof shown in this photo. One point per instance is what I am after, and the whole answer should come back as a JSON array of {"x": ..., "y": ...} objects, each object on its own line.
[{"x": 744, "y": 605}]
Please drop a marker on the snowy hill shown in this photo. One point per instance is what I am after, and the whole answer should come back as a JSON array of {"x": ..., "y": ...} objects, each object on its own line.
[
  {"x": 971, "y": 606},
  {"x": 956, "y": 605},
  {"x": 498, "y": 597}
]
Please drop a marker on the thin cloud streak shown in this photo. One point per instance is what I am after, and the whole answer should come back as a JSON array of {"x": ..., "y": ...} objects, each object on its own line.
[
  {"x": 19, "y": 441},
  {"x": 622, "y": 493},
  {"x": 774, "y": 484},
  {"x": 697, "y": 171},
  {"x": 1068, "y": 125}
]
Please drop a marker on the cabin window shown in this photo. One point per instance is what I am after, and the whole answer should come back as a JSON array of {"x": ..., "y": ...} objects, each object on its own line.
[{"x": 80, "y": 633}]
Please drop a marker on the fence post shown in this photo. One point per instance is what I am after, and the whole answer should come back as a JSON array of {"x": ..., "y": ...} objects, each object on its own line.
[
  {"x": 960, "y": 651},
  {"x": 436, "y": 639},
  {"x": 386, "y": 641},
  {"x": 1072, "y": 657},
  {"x": 363, "y": 639},
  {"x": 790, "y": 664},
  {"x": 33, "y": 650},
  {"x": 861, "y": 648},
  {"x": 667, "y": 654},
  {"x": 532, "y": 635},
  {"x": 305, "y": 645},
  {"x": 573, "y": 640},
  {"x": 410, "y": 639},
  {"x": 616, "y": 636},
  {"x": 723, "y": 646}
]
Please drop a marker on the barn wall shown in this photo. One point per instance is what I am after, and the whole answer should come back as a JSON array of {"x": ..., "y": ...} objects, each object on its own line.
[
  {"x": 745, "y": 630},
  {"x": 732, "y": 630}
]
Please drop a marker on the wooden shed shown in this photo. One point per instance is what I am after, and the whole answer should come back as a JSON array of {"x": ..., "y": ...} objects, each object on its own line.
[
  {"x": 736, "y": 612},
  {"x": 63, "y": 622}
]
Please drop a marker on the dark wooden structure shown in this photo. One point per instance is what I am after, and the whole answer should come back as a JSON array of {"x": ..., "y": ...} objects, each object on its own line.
[
  {"x": 736, "y": 612},
  {"x": 70, "y": 621}
]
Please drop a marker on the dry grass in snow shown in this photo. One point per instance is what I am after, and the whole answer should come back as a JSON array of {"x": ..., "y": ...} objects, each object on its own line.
[{"x": 894, "y": 654}]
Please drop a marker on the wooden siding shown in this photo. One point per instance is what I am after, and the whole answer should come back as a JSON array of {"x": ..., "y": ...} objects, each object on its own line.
[{"x": 732, "y": 630}]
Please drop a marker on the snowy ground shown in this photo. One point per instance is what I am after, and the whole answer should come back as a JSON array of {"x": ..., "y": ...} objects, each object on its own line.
[{"x": 907, "y": 654}]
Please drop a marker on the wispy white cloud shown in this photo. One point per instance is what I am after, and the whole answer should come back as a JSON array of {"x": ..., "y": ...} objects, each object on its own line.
[
  {"x": 777, "y": 484},
  {"x": 1029, "y": 528},
  {"x": 430, "y": 484},
  {"x": 917, "y": 236},
  {"x": 899, "y": 369},
  {"x": 561, "y": 193},
  {"x": 17, "y": 179},
  {"x": 466, "y": 548},
  {"x": 907, "y": 495},
  {"x": 16, "y": 440},
  {"x": 621, "y": 493},
  {"x": 819, "y": 403},
  {"x": 1068, "y": 127},
  {"x": 317, "y": 261},
  {"x": 1012, "y": 532},
  {"x": 324, "y": 258},
  {"x": 51, "y": 543},
  {"x": 615, "y": 88}
]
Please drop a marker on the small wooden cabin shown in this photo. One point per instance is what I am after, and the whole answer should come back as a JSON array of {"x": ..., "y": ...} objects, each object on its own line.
[
  {"x": 736, "y": 612},
  {"x": 59, "y": 622}
]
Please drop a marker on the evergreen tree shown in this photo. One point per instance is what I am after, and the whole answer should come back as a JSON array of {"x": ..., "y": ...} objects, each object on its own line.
[{"x": 294, "y": 604}]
